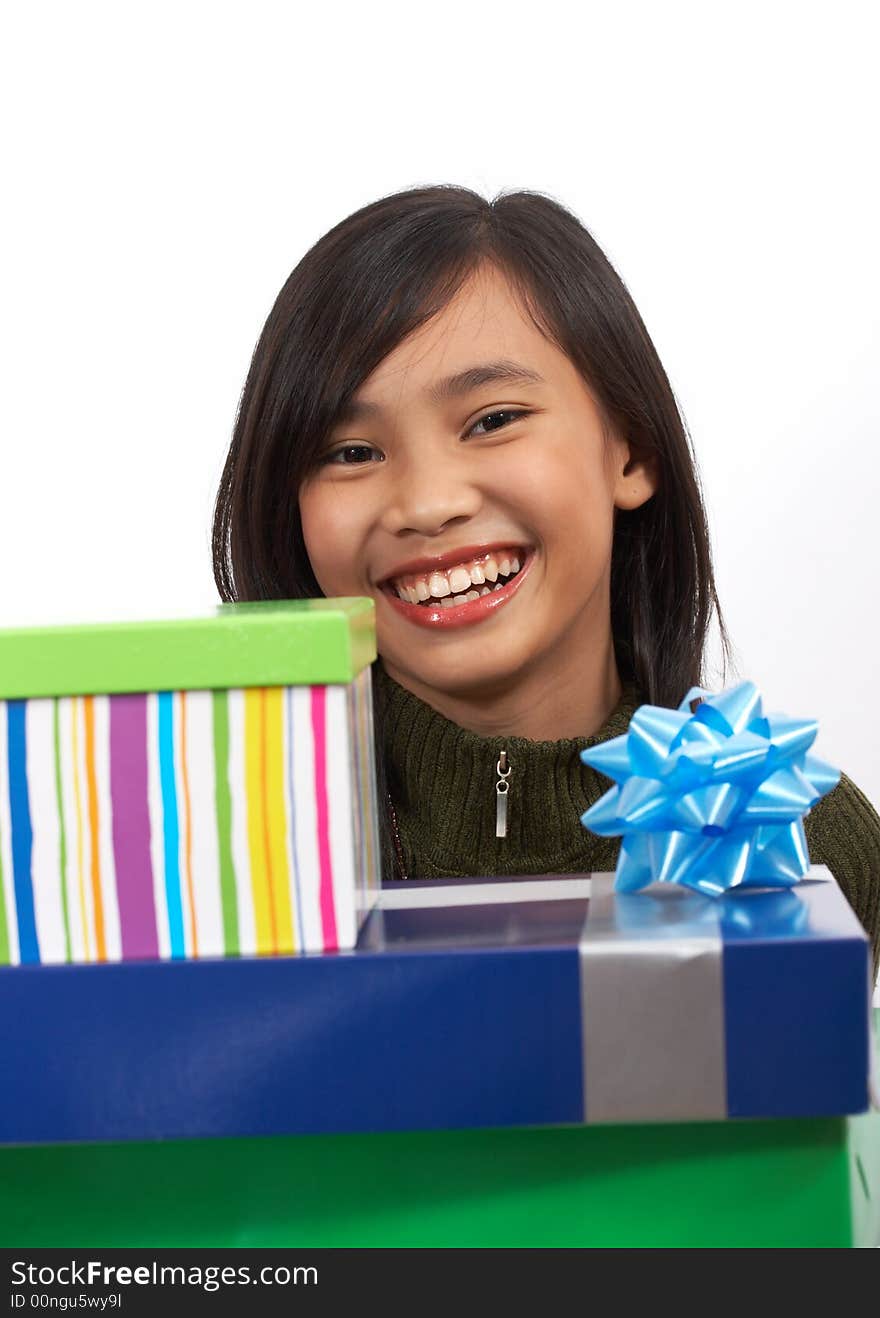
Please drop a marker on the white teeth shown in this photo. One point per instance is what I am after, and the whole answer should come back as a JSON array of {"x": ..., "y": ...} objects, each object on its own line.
[
  {"x": 438, "y": 586},
  {"x": 458, "y": 580}
]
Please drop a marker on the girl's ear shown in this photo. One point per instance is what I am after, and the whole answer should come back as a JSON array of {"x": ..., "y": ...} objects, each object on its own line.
[{"x": 638, "y": 477}]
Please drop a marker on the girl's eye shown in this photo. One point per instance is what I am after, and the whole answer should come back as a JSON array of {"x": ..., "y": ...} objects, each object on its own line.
[
  {"x": 338, "y": 455},
  {"x": 490, "y": 415}
]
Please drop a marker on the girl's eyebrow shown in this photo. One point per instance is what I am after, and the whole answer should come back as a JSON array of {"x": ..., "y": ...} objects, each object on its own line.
[{"x": 451, "y": 386}]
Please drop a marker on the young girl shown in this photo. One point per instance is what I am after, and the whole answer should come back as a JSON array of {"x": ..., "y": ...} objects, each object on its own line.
[{"x": 455, "y": 408}]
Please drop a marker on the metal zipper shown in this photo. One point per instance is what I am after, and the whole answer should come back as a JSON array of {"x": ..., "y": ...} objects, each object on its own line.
[{"x": 502, "y": 787}]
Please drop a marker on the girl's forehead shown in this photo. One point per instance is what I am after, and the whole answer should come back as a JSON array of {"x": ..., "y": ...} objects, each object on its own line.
[{"x": 483, "y": 335}]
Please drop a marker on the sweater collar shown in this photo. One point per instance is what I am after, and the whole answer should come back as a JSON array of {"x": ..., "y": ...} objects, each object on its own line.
[{"x": 441, "y": 778}]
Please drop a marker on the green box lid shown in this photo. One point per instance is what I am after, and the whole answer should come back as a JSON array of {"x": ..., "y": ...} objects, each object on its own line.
[{"x": 265, "y": 643}]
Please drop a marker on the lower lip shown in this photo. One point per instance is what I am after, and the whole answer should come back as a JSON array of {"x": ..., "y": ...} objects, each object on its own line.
[{"x": 460, "y": 615}]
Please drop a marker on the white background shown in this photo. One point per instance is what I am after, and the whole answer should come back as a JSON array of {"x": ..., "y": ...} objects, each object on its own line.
[{"x": 166, "y": 165}]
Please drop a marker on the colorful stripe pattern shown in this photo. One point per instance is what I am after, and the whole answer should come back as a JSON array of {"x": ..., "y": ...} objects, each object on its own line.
[{"x": 186, "y": 823}]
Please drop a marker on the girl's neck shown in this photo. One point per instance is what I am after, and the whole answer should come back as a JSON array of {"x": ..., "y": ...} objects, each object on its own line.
[{"x": 559, "y": 701}]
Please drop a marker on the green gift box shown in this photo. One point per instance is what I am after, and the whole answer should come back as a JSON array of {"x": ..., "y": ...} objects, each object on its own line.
[{"x": 188, "y": 787}]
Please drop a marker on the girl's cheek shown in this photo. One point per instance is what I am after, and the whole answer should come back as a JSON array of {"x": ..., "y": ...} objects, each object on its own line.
[
  {"x": 318, "y": 538},
  {"x": 331, "y": 531},
  {"x": 548, "y": 470}
]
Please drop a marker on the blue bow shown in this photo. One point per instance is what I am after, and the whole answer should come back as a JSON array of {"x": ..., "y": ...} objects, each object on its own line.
[{"x": 711, "y": 800}]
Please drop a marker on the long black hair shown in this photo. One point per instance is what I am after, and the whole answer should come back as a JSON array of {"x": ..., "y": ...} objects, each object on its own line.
[{"x": 382, "y": 273}]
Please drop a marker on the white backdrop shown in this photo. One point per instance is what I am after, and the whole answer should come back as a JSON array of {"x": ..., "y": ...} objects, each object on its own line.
[{"x": 166, "y": 165}]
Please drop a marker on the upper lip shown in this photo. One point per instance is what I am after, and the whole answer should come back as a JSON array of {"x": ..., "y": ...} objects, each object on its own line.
[{"x": 437, "y": 562}]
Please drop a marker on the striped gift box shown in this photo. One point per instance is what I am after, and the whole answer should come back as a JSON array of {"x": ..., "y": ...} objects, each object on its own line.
[{"x": 191, "y": 788}]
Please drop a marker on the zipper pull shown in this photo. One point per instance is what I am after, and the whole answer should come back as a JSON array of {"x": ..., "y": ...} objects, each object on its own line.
[{"x": 502, "y": 787}]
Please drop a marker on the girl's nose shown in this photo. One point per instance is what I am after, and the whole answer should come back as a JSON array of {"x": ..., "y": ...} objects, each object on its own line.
[{"x": 427, "y": 494}]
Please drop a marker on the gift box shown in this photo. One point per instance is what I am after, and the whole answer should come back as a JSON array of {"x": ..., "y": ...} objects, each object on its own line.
[
  {"x": 713, "y": 1184},
  {"x": 188, "y": 788},
  {"x": 465, "y": 1004}
]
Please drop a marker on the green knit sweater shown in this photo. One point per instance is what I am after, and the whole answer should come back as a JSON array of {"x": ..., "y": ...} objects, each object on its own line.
[{"x": 441, "y": 780}]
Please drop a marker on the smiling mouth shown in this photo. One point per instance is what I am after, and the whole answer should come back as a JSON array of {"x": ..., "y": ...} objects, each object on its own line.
[
  {"x": 463, "y": 584},
  {"x": 462, "y": 608}
]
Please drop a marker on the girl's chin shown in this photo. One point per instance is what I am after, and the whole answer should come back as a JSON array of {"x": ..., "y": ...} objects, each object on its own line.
[{"x": 482, "y": 682}]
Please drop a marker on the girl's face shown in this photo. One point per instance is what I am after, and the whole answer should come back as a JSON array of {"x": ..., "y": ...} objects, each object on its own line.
[{"x": 436, "y": 489}]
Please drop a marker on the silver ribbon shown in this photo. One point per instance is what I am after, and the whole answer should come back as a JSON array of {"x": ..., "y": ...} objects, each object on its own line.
[{"x": 652, "y": 1006}]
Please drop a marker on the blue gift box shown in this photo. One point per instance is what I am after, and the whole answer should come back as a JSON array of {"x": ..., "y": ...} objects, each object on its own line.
[{"x": 466, "y": 1003}]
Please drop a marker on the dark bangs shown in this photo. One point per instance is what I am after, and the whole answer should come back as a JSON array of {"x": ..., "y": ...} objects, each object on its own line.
[{"x": 360, "y": 291}]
